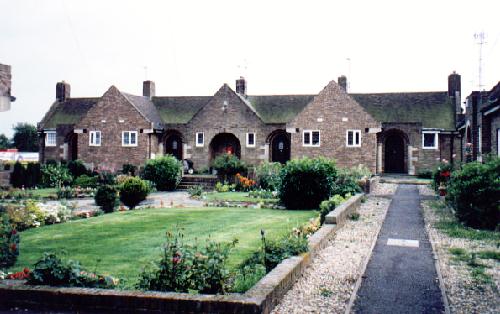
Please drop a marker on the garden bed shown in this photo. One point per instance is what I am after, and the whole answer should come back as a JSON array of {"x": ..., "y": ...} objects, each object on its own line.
[{"x": 260, "y": 299}]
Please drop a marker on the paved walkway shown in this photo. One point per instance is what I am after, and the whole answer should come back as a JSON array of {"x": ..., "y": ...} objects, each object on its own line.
[{"x": 401, "y": 276}]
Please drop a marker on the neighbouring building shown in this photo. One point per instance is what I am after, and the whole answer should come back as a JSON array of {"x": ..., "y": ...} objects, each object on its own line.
[
  {"x": 387, "y": 132},
  {"x": 5, "y": 87},
  {"x": 480, "y": 125}
]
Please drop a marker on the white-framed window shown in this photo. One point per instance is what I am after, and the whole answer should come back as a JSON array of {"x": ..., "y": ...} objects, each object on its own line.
[
  {"x": 311, "y": 138},
  {"x": 250, "y": 139},
  {"x": 353, "y": 138},
  {"x": 95, "y": 138},
  {"x": 50, "y": 138},
  {"x": 200, "y": 139},
  {"x": 430, "y": 139},
  {"x": 129, "y": 138}
]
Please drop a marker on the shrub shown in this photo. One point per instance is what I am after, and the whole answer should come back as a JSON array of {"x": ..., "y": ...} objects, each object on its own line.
[
  {"x": 106, "y": 178},
  {"x": 18, "y": 175},
  {"x": 346, "y": 183},
  {"x": 228, "y": 166},
  {"x": 441, "y": 174},
  {"x": 425, "y": 174},
  {"x": 26, "y": 216},
  {"x": 76, "y": 168},
  {"x": 185, "y": 267},
  {"x": 165, "y": 172},
  {"x": 65, "y": 193},
  {"x": 133, "y": 191},
  {"x": 474, "y": 192},
  {"x": 9, "y": 241},
  {"x": 264, "y": 194},
  {"x": 195, "y": 191},
  {"x": 85, "y": 181},
  {"x": 106, "y": 198},
  {"x": 247, "y": 277},
  {"x": 306, "y": 182},
  {"x": 53, "y": 271},
  {"x": 129, "y": 169},
  {"x": 268, "y": 175},
  {"x": 55, "y": 175},
  {"x": 327, "y": 206},
  {"x": 33, "y": 175},
  {"x": 221, "y": 188}
]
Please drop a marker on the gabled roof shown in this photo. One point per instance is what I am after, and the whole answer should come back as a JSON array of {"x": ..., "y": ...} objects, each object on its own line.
[
  {"x": 145, "y": 107},
  {"x": 179, "y": 109},
  {"x": 279, "y": 108},
  {"x": 432, "y": 109},
  {"x": 70, "y": 111}
]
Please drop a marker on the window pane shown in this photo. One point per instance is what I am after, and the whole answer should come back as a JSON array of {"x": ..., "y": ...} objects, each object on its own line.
[
  {"x": 251, "y": 139},
  {"x": 357, "y": 138},
  {"x": 307, "y": 138},
  {"x": 315, "y": 138},
  {"x": 91, "y": 137},
  {"x": 200, "y": 138},
  {"x": 125, "y": 138},
  {"x": 98, "y": 138},
  {"x": 349, "y": 138},
  {"x": 429, "y": 139},
  {"x": 133, "y": 138}
]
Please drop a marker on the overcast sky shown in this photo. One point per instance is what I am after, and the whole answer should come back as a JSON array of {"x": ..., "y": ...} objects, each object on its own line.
[{"x": 281, "y": 47}]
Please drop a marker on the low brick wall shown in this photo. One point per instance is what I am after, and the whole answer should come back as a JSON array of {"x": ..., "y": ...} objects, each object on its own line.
[
  {"x": 262, "y": 298},
  {"x": 340, "y": 214}
]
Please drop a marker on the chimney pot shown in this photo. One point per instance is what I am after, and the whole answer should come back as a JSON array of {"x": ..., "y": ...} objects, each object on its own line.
[
  {"x": 241, "y": 86},
  {"x": 63, "y": 91},
  {"x": 148, "y": 89},
  {"x": 342, "y": 81}
]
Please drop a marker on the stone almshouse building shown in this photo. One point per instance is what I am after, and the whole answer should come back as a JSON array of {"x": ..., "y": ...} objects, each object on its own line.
[{"x": 390, "y": 132}]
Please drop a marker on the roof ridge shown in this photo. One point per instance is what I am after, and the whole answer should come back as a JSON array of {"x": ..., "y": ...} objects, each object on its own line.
[{"x": 127, "y": 95}]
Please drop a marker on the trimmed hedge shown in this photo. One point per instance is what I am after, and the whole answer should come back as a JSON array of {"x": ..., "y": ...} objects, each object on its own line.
[
  {"x": 306, "y": 182},
  {"x": 165, "y": 172},
  {"x": 133, "y": 191},
  {"x": 474, "y": 192}
]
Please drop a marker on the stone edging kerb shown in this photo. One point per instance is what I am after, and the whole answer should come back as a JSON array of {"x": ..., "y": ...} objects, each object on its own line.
[{"x": 261, "y": 298}]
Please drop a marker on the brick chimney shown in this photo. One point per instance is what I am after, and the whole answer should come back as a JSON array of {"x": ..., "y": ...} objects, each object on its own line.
[
  {"x": 241, "y": 86},
  {"x": 148, "y": 89},
  {"x": 455, "y": 90},
  {"x": 63, "y": 91},
  {"x": 342, "y": 81}
]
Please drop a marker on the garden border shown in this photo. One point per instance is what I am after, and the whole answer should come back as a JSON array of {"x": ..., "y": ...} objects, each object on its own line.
[{"x": 261, "y": 298}]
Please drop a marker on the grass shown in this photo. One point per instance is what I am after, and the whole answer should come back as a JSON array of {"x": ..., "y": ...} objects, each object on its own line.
[
  {"x": 449, "y": 225},
  {"x": 126, "y": 241},
  {"x": 477, "y": 269},
  {"x": 45, "y": 193},
  {"x": 236, "y": 197}
]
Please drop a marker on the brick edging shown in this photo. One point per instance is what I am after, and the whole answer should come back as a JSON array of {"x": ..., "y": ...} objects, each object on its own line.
[{"x": 261, "y": 298}]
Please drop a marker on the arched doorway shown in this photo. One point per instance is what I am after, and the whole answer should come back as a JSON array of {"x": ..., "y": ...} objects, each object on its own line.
[
  {"x": 72, "y": 141},
  {"x": 225, "y": 143},
  {"x": 394, "y": 152},
  {"x": 173, "y": 144},
  {"x": 279, "y": 142}
]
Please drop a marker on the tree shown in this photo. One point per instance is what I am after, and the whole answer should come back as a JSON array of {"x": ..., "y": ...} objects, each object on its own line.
[
  {"x": 25, "y": 137},
  {"x": 4, "y": 142}
]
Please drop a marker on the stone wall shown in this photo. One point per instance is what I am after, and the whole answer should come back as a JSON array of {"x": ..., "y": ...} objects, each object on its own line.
[
  {"x": 237, "y": 118},
  {"x": 333, "y": 112},
  {"x": 112, "y": 115}
]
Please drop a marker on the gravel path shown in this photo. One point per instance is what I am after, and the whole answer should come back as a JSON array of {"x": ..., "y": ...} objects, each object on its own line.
[
  {"x": 329, "y": 281},
  {"x": 465, "y": 295}
]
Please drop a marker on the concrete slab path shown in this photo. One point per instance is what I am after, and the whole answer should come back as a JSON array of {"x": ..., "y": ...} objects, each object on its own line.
[{"x": 401, "y": 276}]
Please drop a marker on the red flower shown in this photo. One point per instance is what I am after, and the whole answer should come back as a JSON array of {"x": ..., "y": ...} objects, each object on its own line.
[
  {"x": 13, "y": 231},
  {"x": 13, "y": 246}
]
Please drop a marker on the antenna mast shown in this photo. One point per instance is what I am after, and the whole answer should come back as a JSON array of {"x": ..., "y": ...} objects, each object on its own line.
[{"x": 480, "y": 41}]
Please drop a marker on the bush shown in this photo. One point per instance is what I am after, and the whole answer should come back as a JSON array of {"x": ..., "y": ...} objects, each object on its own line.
[
  {"x": 195, "y": 191},
  {"x": 85, "y": 181},
  {"x": 133, "y": 191},
  {"x": 165, "y": 172},
  {"x": 346, "y": 183},
  {"x": 53, "y": 271},
  {"x": 55, "y": 175},
  {"x": 244, "y": 183},
  {"x": 441, "y": 174},
  {"x": 106, "y": 198},
  {"x": 424, "y": 174},
  {"x": 247, "y": 277},
  {"x": 76, "y": 168},
  {"x": 221, "y": 188},
  {"x": 185, "y": 267},
  {"x": 105, "y": 178},
  {"x": 306, "y": 182},
  {"x": 327, "y": 206},
  {"x": 474, "y": 192},
  {"x": 268, "y": 175},
  {"x": 26, "y": 216},
  {"x": 129, "y": 169},
  {"x": 18, "y": 175},
  {"x": 9, "y": 241},
  {"x": 228, "y": 166}
]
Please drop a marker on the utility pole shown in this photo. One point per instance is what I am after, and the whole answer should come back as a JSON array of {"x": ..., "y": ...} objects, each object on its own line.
[{"x": 480, "y": 40}]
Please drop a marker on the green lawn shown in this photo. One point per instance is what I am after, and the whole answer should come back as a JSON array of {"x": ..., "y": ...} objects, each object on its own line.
[
  {"x": 45, "y": 193},
  {"x": 125, "y": 241},
  {"x": 236, "y": 197}
]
